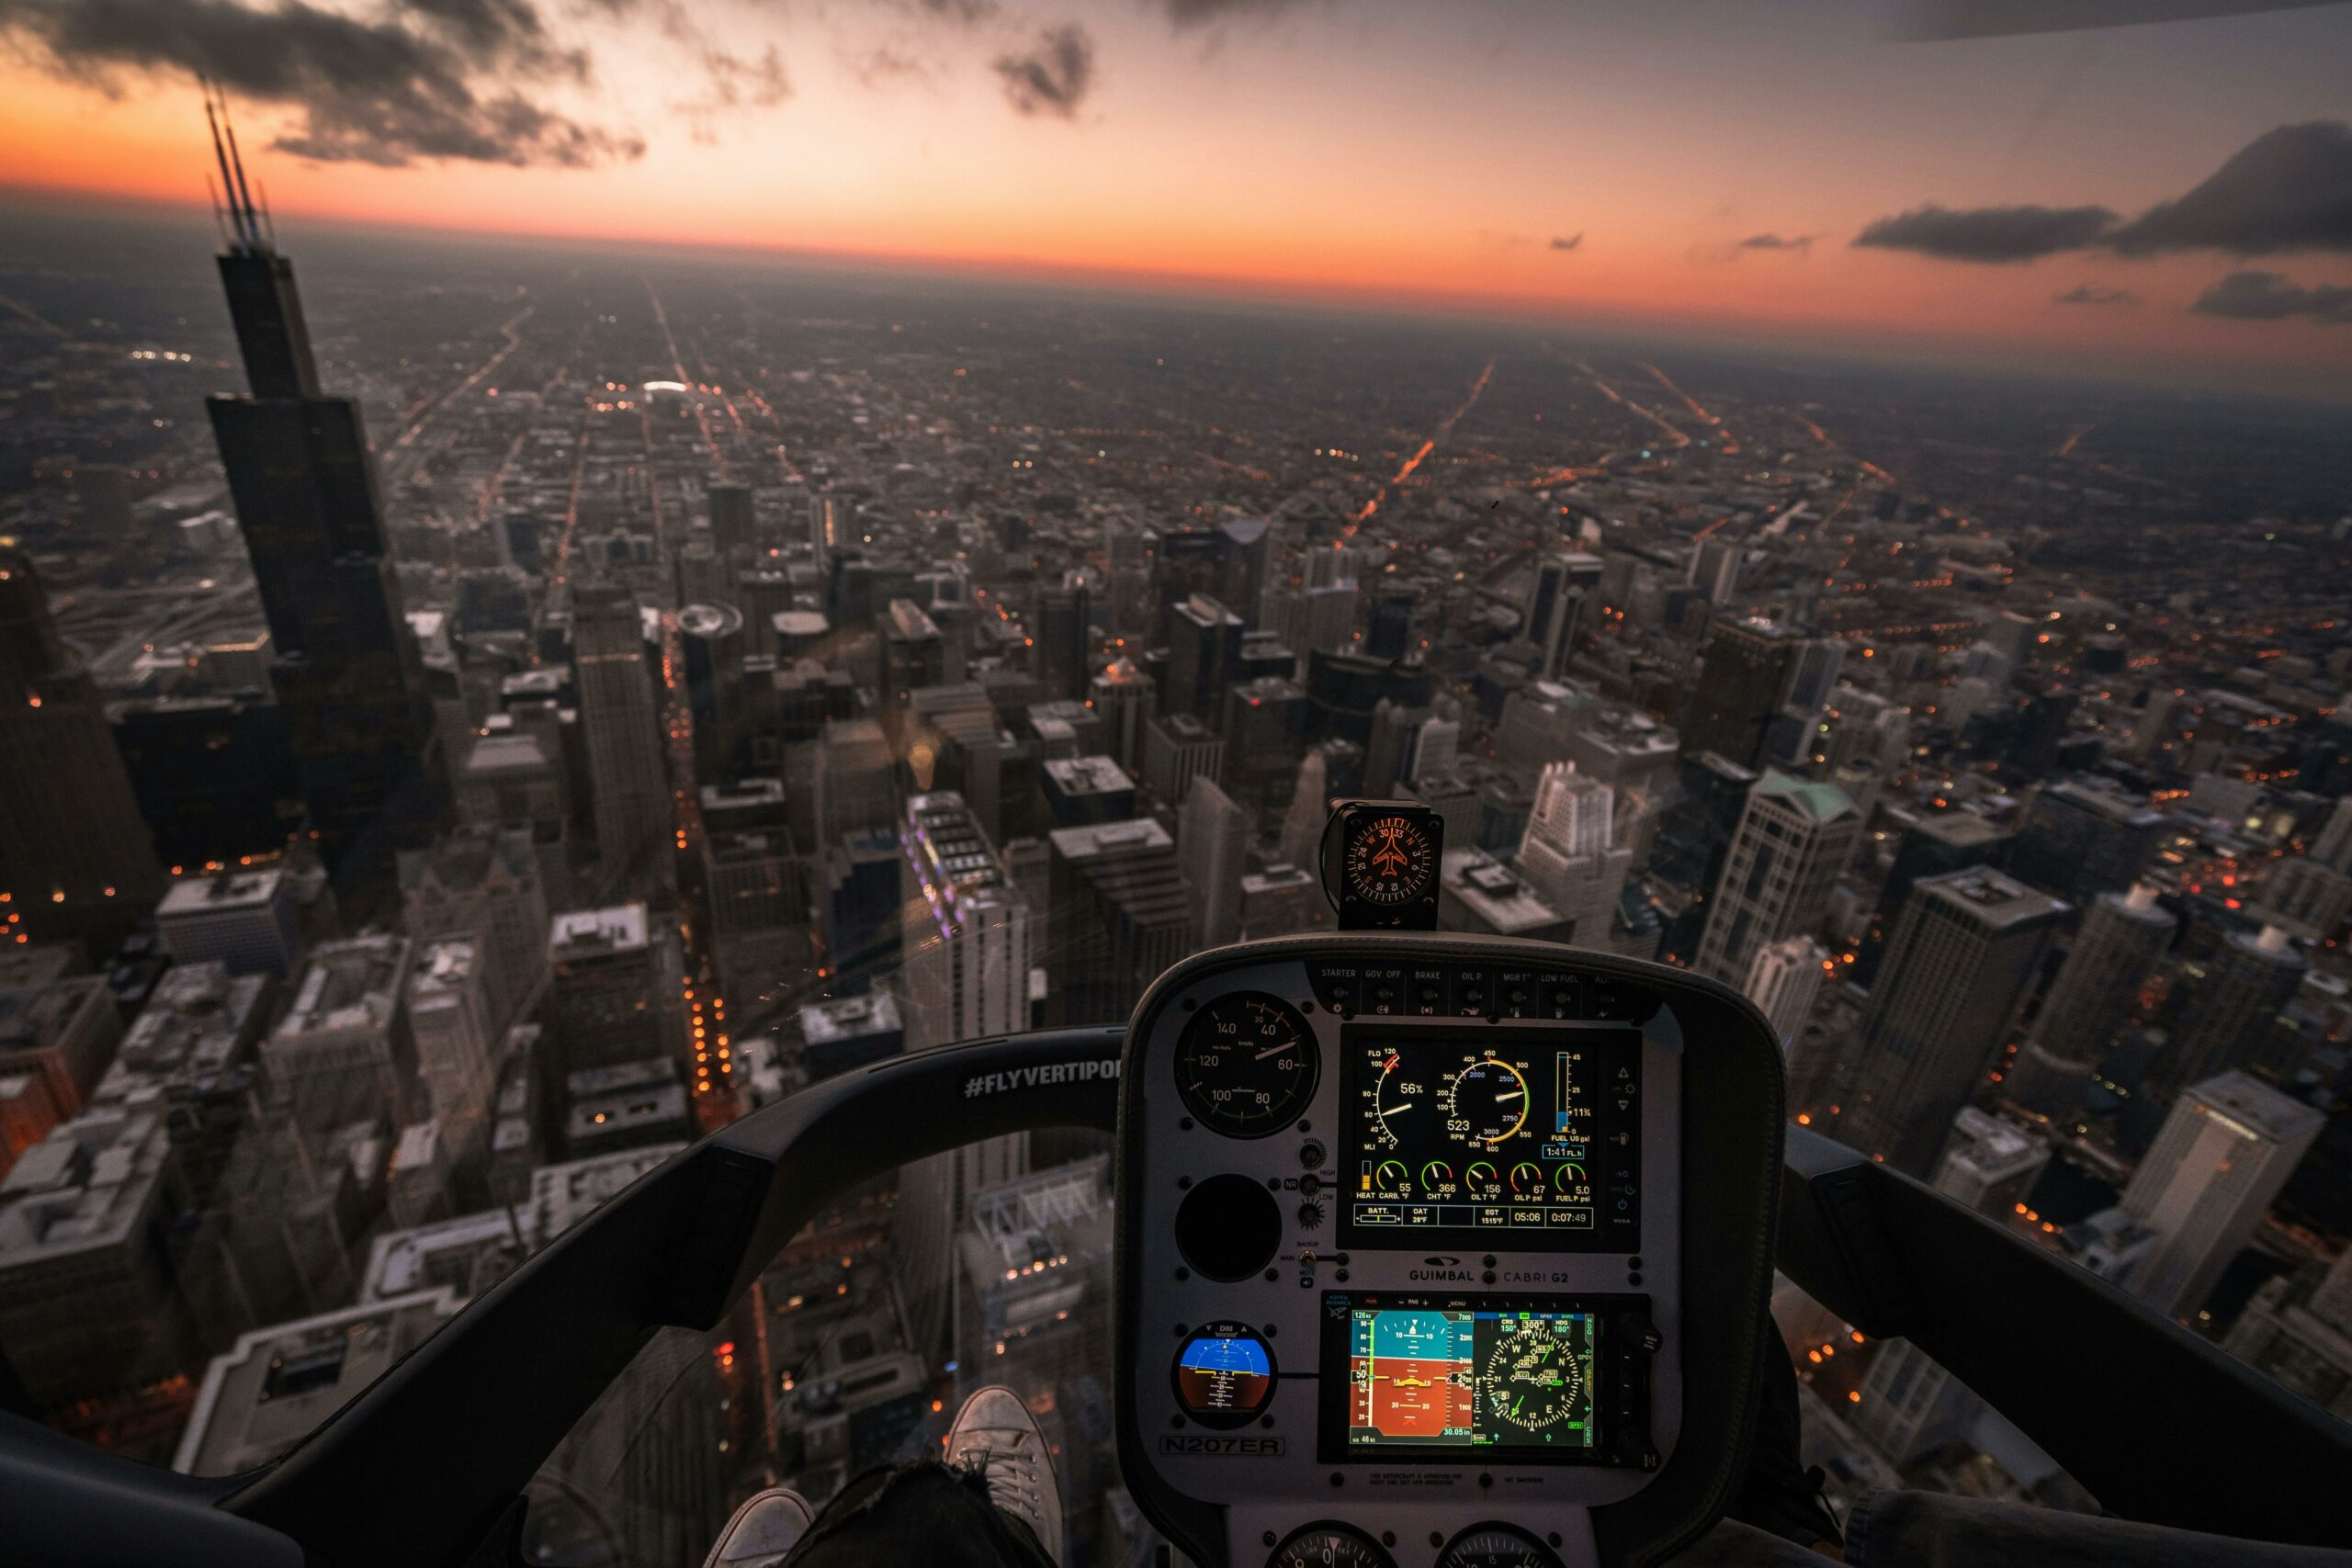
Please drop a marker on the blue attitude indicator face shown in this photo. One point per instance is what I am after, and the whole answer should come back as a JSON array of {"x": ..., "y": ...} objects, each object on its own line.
[{"x": 1223, "y": 1374}]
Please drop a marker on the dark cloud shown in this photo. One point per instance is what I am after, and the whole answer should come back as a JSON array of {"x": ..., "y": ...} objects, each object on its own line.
[
  {"x": 2289, "y": 189},
  {"x": 510, "y": 30},
  {"x": 1208, "y": 13},
  {"x": 1052, "y": 77},
  {"x": 734, "y": 83},
  {"x": 1775, "y": 242},
  {"x": 1988, "y": 233},
  {"x": 2095, "y": 294},
  {"x": 885, "y": 64},
  {"x": 1570, "y": 243},
  {"x": 965, "y": 11},
  {"x": 429, "y": 80},
  {"x": 2269, "y": 297}
]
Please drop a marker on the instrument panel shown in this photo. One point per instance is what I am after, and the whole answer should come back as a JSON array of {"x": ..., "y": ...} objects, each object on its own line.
[{"x": 1391, "y": 1216}]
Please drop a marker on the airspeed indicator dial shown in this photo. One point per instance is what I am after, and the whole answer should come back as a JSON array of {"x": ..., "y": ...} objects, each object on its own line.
[{"x": 1246, "y": 1066}]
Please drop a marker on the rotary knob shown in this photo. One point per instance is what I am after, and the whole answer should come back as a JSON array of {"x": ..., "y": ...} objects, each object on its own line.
[{"x": 1310, "y": 1214}]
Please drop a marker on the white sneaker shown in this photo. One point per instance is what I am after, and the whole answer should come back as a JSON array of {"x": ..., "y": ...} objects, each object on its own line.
[
  {"x": 995, "y": 1435},
  {"x": 768, "y": 1525}
]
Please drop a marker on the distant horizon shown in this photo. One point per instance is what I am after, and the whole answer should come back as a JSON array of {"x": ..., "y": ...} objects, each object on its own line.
[
  {"x": 1877, "y": 351},
  {"x": 2158, "y": 203}
]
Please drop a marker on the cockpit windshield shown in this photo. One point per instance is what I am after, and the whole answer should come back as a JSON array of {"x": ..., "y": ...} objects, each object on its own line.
[{"x": 572, "y": 572}]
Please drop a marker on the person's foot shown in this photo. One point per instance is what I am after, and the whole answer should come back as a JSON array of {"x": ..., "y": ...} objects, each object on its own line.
[
  {"x": 768, "y": 1525},
  {"x": 995, "y": 1438}
]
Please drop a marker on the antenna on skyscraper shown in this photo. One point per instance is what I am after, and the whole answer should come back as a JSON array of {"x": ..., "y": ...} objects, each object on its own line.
[
  {"x": 241, "y": 235},
  {"x": 245, "y": 218},
  {"x": 253, "y": 213}
]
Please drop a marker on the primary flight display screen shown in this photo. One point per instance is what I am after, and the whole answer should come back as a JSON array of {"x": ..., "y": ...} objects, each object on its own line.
[
  {"x": 1479, "y": 1137},
  {"x": 1506, "y": 1384}
]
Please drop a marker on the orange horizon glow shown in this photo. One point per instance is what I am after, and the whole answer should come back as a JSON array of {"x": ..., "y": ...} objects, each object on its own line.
[{"x": 1172, "y": 195}]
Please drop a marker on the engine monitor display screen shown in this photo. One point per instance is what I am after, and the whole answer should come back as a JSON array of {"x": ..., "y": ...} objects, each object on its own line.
[
  {"x": 1480, "y": 1137},
  {"x": 1508, "y": 1383}
]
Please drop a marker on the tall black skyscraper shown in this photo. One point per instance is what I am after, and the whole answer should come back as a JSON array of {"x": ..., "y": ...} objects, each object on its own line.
[
  {"x": 346, "y": 668},
  {"x": 1748, "y": 669},
  {"x": 74, "y": 857}
]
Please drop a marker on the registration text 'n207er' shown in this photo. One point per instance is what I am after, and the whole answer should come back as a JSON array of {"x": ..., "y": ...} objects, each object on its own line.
[{"x": 1223, "y": 1447}]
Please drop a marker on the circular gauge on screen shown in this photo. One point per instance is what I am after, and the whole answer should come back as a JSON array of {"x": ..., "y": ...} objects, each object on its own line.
[
  {"x": 1532, "y": 1379},
  {"x": 1391, "y": 858},
  {"x": 1246, "y": 1066},
  {"x": 1223, "y": 1374},
  {"x": 1497, "y": 1546},
  {"x": 1330, "y": 1545},
  {"x": 1486, "y": 1102}
]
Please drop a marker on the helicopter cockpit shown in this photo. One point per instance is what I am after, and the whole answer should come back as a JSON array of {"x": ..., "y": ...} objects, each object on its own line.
[{"x": 1433, "y": 1252}]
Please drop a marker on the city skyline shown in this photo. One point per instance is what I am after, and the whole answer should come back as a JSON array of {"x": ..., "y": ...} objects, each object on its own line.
[
  {"x": 502, "y": 713},
  {"x": 1820, "y": 178}
]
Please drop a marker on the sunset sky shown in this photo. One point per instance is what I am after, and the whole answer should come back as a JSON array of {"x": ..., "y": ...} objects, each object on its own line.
[{"x": 1703, "y": 163}]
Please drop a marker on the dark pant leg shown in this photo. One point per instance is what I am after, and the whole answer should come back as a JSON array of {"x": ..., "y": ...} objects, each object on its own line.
[
  {"x": 917, "y": 1516},
  {"x": 1923, "y": 1530}
]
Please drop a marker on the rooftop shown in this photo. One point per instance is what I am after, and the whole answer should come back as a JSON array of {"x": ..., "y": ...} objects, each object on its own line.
[
  {"x": 84, "y": 1187},
  {"x": 1089, "y": 775},
  {"x": 1109, "y": 838},
  {"x": 849, "y": 1017},
  {"x": 2255, "y": 1111},
  {"x": 350, "y": 983},
  {"x": 195, "y": 1023},
  {"x": 578, "y": 934},
  {"x": 1990, "y": 896},
  {"x": 513, "y": 752},
  {"x": 215, "y": 894},
  {"x": 1494, "y": 893},
  {"x": 277, "y": 1383},
  {"x": 564, "y": 1195},
  {"x": 1822, "y": 801}
]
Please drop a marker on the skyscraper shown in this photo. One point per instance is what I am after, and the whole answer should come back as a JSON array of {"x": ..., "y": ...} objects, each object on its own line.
[
  {"x": 75, "y": 858},
  {"x": 1964, "y": 948},
  {"x": 1121, "y": 915},
  {"x": 1747, "y": 675},
  {"x": 1792, "y": 842},
  {"x": 2079, "y": 842},
  {"x": 968, "y": 941},
  {"x": 1213, "y": 838},
  {"x": 1714, "y": 569},
  {"x": 1783, "y": 980},
  {"x": 1555, "y": 606},
  {"x": 2231, "y": 1001},
  {"x": 2122, "y": 937},
  {"x": 730, "y": 518},
  {"x": 622, "y": 733},
  {"x": 1122, "y": 698},
  {"x": 2229, "y": 1146},
  {"x": 2307, "y": 897},
  {"x": 303, "y": 481},
  {"x": 1062, "y": 617},
  {"x": 1203, "y": 655},
  {"x": 2332, "y": 847},
  {"x": 1568, "y": 855}
]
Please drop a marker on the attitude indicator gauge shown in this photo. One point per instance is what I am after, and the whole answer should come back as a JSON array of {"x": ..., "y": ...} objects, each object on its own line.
[
  {"x": 1246, "y": 1067},
  {"x": 1380, "y": 864}
]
